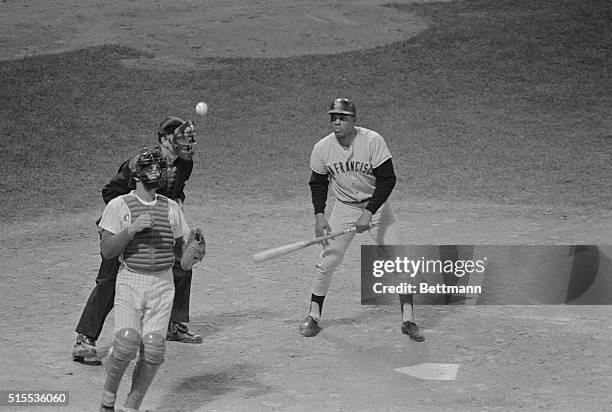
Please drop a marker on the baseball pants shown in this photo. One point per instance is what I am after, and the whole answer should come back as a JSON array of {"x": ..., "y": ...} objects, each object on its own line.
[
  {"x": 385, "y": 230},
  {"x": 101, "y": 299},
  {"x": 143, "y": 302}
]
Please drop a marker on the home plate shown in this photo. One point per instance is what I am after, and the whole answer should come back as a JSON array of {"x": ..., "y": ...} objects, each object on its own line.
[{"x": 432, "y": 371}]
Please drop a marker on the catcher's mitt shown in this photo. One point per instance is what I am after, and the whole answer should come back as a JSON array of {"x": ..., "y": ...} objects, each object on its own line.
[{"x": 195, "y": 249}]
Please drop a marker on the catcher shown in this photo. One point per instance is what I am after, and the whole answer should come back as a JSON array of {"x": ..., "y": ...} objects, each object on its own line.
[
  {"x": 177, "y": 143},
  {"x": 145, "y": 230}
]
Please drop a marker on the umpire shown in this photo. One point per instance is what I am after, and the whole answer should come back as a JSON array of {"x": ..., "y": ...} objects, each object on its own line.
[{"x": 177, "y": 143}]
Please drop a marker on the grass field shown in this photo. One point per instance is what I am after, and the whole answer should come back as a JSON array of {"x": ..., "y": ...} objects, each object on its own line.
[{"x": 504, "y": 101}]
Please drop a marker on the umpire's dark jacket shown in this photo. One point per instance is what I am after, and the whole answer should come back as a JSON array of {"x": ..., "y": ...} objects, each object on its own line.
[{"x": 123, "y": 183}]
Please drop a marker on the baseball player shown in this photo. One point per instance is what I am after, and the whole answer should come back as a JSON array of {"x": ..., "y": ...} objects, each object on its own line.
[
  {"x": 177, "y": 142},
  {"x": 358, "y": 164},
  {"x": 143, "y": 229}
]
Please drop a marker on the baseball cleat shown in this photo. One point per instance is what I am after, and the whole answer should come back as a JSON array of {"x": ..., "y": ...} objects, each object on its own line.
[
  {"x": 310, "y": 327},
  {"x": 84, "y": 351},
  {"x": 179, "y": 332},
  {"x": 412, "y": 330}
]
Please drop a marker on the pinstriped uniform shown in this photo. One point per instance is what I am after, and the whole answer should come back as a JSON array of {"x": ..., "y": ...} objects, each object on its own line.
[
  {"x": 143, "y": 301},
  {"x": 145, "y": 285}
]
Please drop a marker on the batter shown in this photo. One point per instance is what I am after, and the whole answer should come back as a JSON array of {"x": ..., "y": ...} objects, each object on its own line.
[{"x": 358, "y": 164}]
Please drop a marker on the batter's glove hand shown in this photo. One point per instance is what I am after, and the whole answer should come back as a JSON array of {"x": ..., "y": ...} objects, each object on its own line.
[
  {"x": 322, "y": 227},
  {"x": 363, "y": 223},
  {"x": 194, "y": 249}
]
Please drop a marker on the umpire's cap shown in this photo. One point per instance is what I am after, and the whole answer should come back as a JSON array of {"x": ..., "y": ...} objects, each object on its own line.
[
  {"x": 168, "y": 125},
  {"x": 342, "y": 106}
]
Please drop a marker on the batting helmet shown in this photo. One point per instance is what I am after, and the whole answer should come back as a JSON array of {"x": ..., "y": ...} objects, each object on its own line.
[
  {"x": 342, "y": 106},
  {"x": 151, "y": 168}
]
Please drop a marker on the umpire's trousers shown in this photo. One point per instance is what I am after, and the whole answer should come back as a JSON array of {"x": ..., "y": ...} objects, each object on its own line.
[{"x": 102, "y": 297}]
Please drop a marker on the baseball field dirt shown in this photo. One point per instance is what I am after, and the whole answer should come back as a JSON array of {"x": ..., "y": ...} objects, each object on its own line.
[{"x": 502, "y": 357}]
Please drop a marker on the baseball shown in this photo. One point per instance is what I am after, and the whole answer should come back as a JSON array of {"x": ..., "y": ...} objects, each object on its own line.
[{"x": 201, "y": 108}]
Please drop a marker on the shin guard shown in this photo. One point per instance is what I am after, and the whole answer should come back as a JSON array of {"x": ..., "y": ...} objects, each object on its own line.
[
  {"x": 151, "y": 357},
  {"x": 125, "y": 347}
]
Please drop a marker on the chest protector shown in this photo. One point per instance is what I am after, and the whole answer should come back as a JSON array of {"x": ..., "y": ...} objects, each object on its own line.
[{"x": 150, "y": 250}]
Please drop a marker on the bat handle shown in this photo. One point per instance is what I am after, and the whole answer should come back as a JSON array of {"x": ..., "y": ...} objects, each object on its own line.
[
  {"x": 335, "y": 234},
  {"x": 348, "y": 230}
]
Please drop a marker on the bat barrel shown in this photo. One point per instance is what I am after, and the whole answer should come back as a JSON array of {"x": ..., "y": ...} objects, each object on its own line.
[
  {"x": 278, "y": 251},
  {"x": 292, "y": 247}
]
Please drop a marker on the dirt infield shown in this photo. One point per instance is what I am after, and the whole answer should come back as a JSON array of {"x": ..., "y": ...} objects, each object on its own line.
[
  {"x": 253, "y": 358},
  {"x": 549, "y": 357}
]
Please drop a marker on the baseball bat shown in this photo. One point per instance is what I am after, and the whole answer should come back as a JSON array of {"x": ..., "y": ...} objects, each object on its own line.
[{"x": 292, "y": 247}]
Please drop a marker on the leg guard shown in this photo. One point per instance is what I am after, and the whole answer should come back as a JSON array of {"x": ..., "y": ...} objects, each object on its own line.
[
  {"x": 125, "y": 347},
  {"x": 151, "y": 357}
]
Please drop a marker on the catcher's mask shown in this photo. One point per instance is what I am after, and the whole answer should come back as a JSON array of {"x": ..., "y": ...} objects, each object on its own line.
[
  {"x": 181, "y": 136},
  {"x": 151, "y": 168}
]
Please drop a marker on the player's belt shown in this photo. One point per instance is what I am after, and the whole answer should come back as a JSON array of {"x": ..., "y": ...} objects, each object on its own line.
[{"x": 356, "y": 202}]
